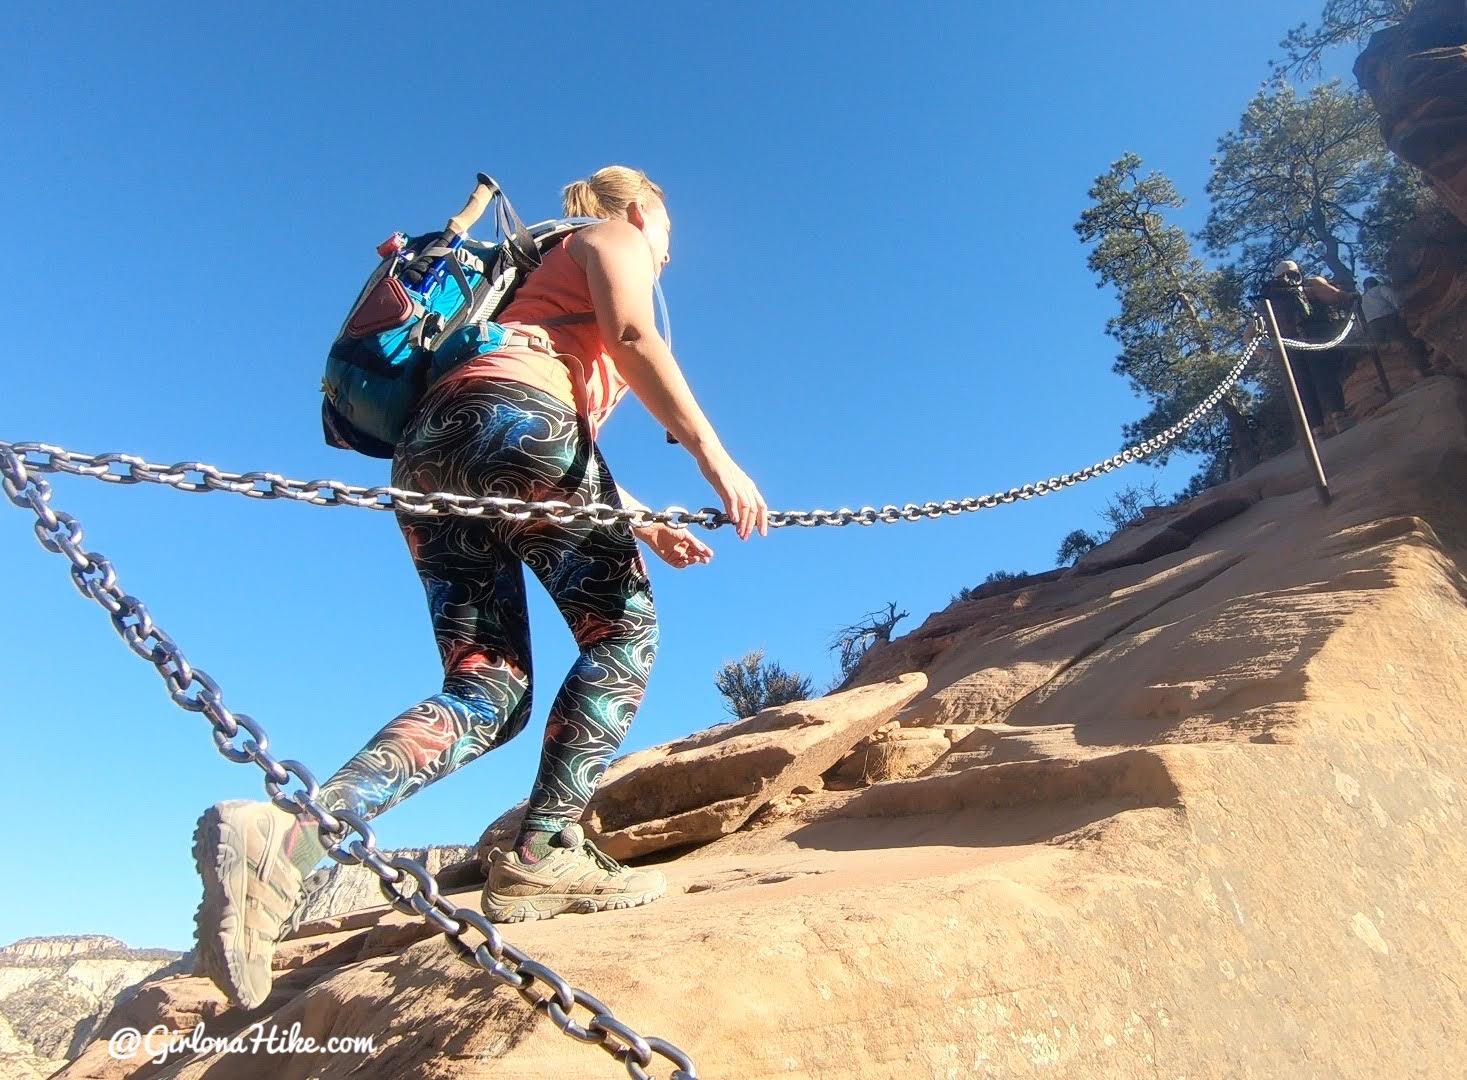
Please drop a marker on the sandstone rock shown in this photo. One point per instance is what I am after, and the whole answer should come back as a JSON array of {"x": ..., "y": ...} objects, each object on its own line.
[
  {"x": 178, "y": 1005},
  {"x": 1361, "y": 385},
  {"x": 1134, "y": 544},
  {"x": 1004, "y": 586},
  {"x": 708, "y": 785},
  {"x": 891, "y": 755},
  {"x": 352, "y": 920},
  {"x": 1429, "y": 265},
  {"x": 336, "y": 889},
  {"x": 1166, "y": 530},
  {"x": 1416, "y": 74},
  {"x": 313, "y": 948},
  {"x": 55, "y": 991},
  {"x": 27, "y": 1067},
  {"x": 60, "y": 947},
  {"x": 10, "y": 1043},
  {"x": 19, "y": 1060}
]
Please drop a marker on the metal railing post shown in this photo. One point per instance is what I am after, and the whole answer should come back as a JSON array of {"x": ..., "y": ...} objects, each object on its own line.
[
  {"x": 1321, "y": 483},
  {"x": 1380, "y": 371}
]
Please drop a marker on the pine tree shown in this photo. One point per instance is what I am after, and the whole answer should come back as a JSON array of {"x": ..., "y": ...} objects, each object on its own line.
[
  {"x": 1298, "y": 179},
  {"x": 1180, "y": 325},
  {"x": 1342, "y": 22}
]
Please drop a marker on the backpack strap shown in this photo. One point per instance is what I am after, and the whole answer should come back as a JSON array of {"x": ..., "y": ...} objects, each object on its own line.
[
  {"x": 469, "y": 260},
  {"x": 423, "y": 335},
  {"x": 518, "y": 241},
  {"x": 569, "y": 320},
  {"x": 430, "y": 327}
]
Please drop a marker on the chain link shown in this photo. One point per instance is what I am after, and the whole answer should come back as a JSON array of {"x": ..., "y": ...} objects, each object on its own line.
[
  {"x": 192, "y": 689},
  {"x": 1320, "y": 346},
  {"x": 196, "y": 476}
]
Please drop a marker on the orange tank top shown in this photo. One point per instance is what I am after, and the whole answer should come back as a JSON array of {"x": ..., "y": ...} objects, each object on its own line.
[{"x": 574, "y": 366}]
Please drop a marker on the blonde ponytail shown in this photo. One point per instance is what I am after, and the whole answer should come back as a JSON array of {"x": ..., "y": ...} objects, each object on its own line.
[{"x": 608, "y": 192}]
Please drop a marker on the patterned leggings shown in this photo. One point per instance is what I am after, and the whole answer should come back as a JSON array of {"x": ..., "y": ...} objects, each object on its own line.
[{"x": 483, "y": 437}]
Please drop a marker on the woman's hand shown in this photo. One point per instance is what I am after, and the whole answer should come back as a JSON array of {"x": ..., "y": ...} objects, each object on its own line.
[
  {"x": 742, "y": 502},
  {"x": 676, "y": 547}
]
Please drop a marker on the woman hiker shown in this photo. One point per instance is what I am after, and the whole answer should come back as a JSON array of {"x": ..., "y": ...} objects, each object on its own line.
[{"x": 518, "y": 423}]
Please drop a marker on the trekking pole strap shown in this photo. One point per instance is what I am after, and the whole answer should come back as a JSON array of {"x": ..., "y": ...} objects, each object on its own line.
[{"x": 518, "y": 240}]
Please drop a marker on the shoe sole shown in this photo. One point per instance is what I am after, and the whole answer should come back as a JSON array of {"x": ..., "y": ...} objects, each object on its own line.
[
  {"x": 219, "y": 856},
  {"x": 514, "y": 909}
]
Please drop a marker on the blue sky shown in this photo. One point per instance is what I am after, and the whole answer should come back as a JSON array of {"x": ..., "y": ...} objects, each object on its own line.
[{"x": 875, "y": 289}]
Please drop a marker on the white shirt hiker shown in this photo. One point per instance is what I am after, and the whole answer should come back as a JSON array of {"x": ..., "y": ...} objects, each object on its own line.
[{"x": 1379, "y": 302}]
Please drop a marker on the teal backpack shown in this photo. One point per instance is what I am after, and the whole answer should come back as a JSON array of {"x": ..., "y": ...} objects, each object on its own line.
[{"x": 427, "y": 308}]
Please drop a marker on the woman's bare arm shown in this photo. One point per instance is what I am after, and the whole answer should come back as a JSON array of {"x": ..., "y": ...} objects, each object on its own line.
[
  {"x": 620, "y": 275},
  {"x": 619, "y": 271},
  {"x": 628, "y": 500},
  {"x": 1327, "y": 292}
]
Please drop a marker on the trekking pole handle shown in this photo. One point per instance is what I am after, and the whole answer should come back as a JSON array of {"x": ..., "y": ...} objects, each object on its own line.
[{"x": 465, "y": 219}]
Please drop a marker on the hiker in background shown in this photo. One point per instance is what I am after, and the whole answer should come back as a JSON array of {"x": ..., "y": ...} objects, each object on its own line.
[
  {"x": 518, "y": 423},
  {"x": 1311, "y": 309},
  {"x": 1384, "y": 324}
]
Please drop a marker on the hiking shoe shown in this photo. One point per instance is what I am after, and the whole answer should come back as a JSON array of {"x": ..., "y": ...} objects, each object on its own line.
[
  {"x": 575, "y": 876},
  {"x": 250, "y": 891}
]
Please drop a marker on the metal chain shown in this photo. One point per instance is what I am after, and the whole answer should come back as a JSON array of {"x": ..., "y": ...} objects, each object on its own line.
[
  {"x": 115, "y": 468},
  {"x": 1320, "y": 346},
  {"x": 193, "y": 690}
]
